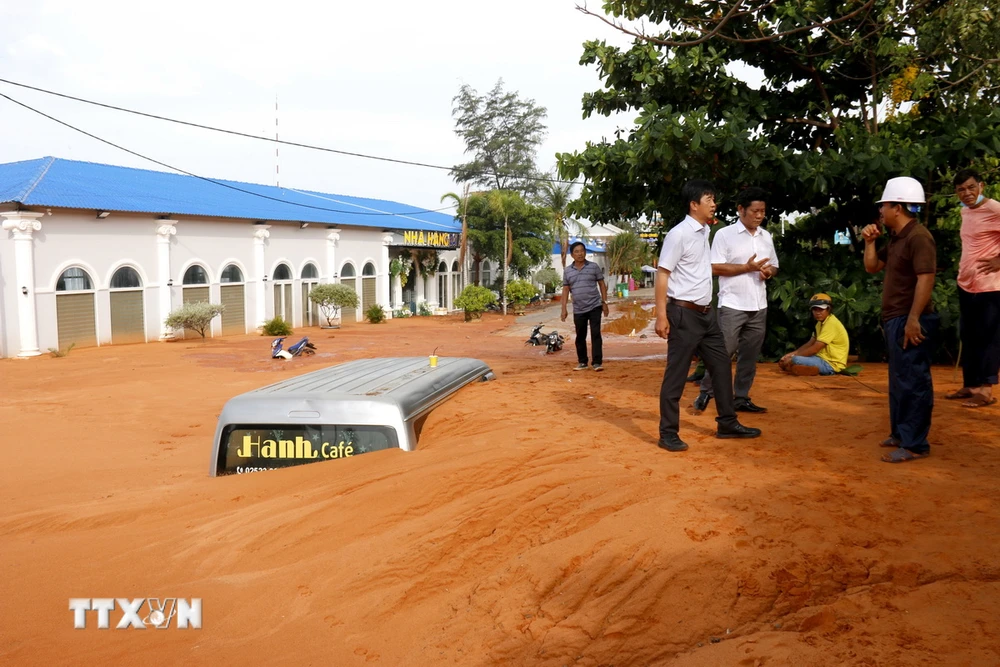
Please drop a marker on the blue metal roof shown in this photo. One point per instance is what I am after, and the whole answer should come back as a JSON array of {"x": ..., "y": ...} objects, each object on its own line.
[
  {"x": 55, "y": 182},
  {"x": 590, "y": 244}
]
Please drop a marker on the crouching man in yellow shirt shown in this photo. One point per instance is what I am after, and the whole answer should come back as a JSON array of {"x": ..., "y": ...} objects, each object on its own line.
[{"x": 826, "y": 351}]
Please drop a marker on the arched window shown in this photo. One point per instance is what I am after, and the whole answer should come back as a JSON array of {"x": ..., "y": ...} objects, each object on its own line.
[
  {"x": 309, "y": 271},
  {"x": 443, "y": 267},
  {"x": 282, "y": 272},
  {"x": 486, "y": 273},
  {"x": 231, "y": 274},
  {"x": 454, "y": 266},
  {"x": 74, "y": 280},
  {"x": 195, "y": 275},
  {"x": 369, "y": 270},
  {"x": 126, "y": 278},
  {"x": 347, "y": 271}
]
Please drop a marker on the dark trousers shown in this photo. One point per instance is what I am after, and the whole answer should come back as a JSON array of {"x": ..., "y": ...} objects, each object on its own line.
[
  {"x": 980, "y": 329},
  {"x": 593, "y": 319},
  {"x": 743, "y": 332},
  {"x": 911, "y": 390},
  {"x": 691, "y": 332}
]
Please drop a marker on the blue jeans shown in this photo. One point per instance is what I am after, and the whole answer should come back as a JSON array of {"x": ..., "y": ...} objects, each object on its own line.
[
  {"x": 911, "y": 390},
  {"x": 821, "y": 364}
]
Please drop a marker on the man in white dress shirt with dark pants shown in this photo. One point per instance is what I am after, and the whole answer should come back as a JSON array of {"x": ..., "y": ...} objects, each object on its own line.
[
  {"x": 743, "y": 257},
  {"x": 684, "y": 316}
]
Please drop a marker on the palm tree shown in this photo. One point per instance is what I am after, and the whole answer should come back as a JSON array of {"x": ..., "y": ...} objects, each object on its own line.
[
  {"x": 461, "y": 207},
  {"x": 556, "y": 197},
  {"x": 503, "y": 202},
  {"x": 626, "y": 253}
]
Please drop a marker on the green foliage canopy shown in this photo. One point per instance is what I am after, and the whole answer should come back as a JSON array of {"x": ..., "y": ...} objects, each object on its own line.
[
  {"x": 502, "y": 132},
  {"x": 853, "y": 93},
  {"x": 195, "y": 316},
  {"x": 529, "y": 240},
  {"x": 330, "y": 298}
]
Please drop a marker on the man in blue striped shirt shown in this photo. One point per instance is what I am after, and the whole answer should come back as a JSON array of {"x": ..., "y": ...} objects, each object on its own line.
[{"x": 585, "y": 281}]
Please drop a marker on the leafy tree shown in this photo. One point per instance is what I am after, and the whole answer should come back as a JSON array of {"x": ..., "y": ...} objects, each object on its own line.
[
  {"x": 330, "y": 298},
  {"x": 195, "y": 316},
  {"x": 626, "y": 253},
  {"x": 555, "y": 197},
  {"x": 502, "y": 132},
  {"x": 853, "y": 93},
  {"x": 503, "y": 227},
  {"x": 549, "y": 278}
]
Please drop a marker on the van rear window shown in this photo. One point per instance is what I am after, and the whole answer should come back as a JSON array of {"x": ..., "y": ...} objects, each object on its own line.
[{"x": 253, "y": 448}]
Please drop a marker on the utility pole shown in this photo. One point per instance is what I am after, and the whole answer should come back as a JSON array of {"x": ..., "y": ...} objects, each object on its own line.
[{"x": 463, "y": 254}]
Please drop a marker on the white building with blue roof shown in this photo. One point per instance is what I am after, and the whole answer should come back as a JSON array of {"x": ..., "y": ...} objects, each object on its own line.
[{"x": 96, "y": 254}]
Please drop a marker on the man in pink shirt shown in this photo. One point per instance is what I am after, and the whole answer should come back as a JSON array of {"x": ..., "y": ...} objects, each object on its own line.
[{"x": 978, "y": 291}]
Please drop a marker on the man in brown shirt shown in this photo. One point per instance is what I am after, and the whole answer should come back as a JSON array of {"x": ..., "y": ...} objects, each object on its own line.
[{"x": 908, "y": 320}]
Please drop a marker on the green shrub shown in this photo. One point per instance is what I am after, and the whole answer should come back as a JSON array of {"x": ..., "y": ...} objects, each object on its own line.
[
  {"x": 474, "y": 299},
  {"x": 402, "y": 313},
  {"x": 548, "y": 277},
  {"x": 375, "y": 314},
  {"x": 423, "y": 309},
  {"x": 520, "y": 292},
  {"x": 330, "y": 298},
  {"x": 276, "y": 326},
  {"x": 195, "y": 316}
]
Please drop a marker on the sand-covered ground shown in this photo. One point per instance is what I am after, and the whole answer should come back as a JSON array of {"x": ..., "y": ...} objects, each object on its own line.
[{"x": 537, "y": 523}]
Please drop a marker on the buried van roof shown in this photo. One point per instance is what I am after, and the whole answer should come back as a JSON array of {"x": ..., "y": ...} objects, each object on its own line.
[{"x": 394, "y": 392}]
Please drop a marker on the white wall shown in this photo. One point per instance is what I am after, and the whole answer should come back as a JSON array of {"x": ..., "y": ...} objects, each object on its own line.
[{"x": 77, "y": 238}]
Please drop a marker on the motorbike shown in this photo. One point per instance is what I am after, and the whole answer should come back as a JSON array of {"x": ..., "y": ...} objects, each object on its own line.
[
  {"x": 553, "y": 342},
  {"x": 536, "y": 337},
  {"x": 303, "y": 347}
]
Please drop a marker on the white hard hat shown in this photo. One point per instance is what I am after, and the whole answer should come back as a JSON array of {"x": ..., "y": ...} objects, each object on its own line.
[{"x": 904, "y": 190}]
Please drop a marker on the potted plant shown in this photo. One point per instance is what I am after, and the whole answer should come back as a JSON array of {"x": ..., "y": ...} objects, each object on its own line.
[
  {"x": 520, "y": 292},
  {"x": 330, "y": 299},
  {"x": 473, "y": 300},
  {"x": 400, "y": 266}
]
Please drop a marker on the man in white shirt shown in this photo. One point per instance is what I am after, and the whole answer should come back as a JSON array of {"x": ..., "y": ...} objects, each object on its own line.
[
  {"x": 743, "y": 257},
  {"x": 684, "y": 317}
]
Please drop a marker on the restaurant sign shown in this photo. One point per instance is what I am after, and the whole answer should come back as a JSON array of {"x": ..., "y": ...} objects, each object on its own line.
[{"x": 429, "y": 239}]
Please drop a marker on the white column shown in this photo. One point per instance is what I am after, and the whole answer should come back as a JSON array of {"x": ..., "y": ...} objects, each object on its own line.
[
  {"x": 22, "y": 225},
  {"x": 260, "y": 234},
  {"x": 432, "y": 290},
  {"x": 397, "y": 291},
  {"x": 421, "y": 296},
  {"x": 382, "y": 283},
  {"x": 448, "y": 298},
  {"x": 332, "y": 239},
  {"x": 164, "y": 230}
]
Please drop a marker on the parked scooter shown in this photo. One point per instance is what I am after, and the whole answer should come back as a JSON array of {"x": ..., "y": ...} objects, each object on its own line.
[
  {"x": 553, "y": 342},
  {"x": 303, "y": 347},
  {"x": 536, "y": 337}
]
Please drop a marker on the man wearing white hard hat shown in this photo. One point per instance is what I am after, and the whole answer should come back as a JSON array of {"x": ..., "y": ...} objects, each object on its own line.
[
  {"x": 908, "y": 319},
  {"x": 978, "y": 291}
]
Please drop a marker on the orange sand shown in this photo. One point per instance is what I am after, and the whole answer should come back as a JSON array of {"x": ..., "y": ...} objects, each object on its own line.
[{"x": 537, "y": 524}]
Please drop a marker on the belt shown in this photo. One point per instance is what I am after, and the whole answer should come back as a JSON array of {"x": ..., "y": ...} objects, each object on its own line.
[{"x": 690, "y": 305}]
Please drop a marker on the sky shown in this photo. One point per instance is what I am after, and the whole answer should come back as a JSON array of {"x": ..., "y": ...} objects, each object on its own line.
[{"x": 373, "y": 78}]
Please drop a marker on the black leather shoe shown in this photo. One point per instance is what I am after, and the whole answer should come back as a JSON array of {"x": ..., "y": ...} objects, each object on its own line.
[
  {"x": 672, "y": 443},
  {"x": 737, "y": 431},
  {"x": 702, "y": 401},
  {"x": 746, "y": 405}
]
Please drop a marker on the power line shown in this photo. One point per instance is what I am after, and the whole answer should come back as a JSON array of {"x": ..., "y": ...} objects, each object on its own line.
[
  {"x": 275, "y": 140},
  {"x": 212, "y": 180}
]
